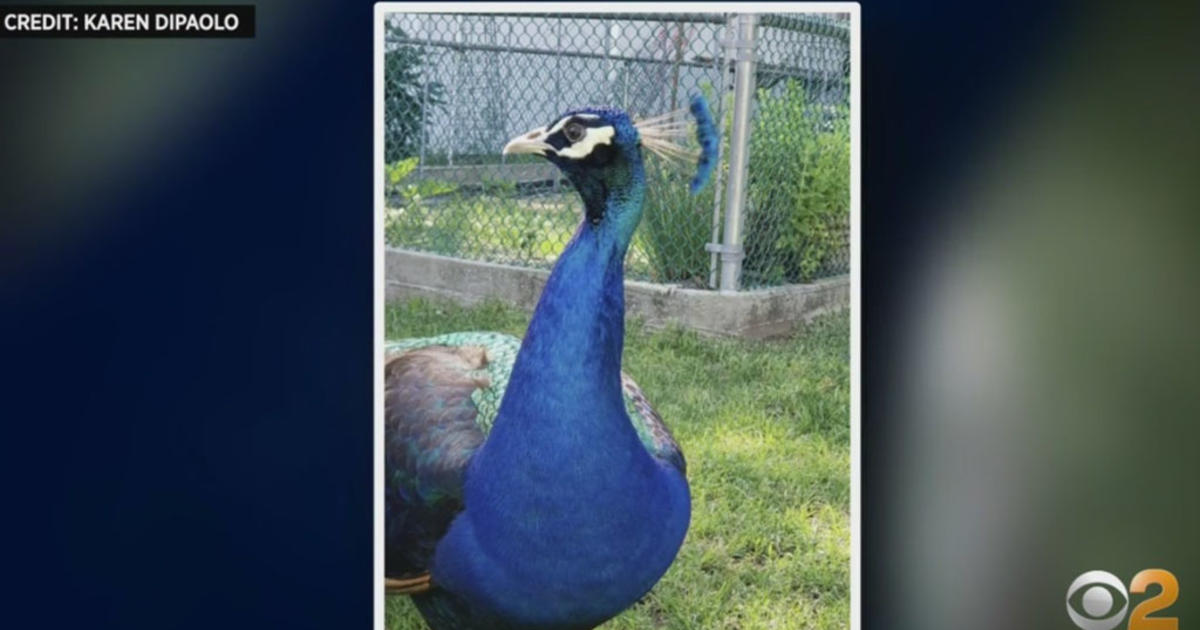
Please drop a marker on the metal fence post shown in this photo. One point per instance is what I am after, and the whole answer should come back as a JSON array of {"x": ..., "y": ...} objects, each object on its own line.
[
  {"x": 556, "y": 187},
  {"x": 721, "y": 66},
  {"x": 742, "y": 53},
  {"x": 424, "y": 113}
]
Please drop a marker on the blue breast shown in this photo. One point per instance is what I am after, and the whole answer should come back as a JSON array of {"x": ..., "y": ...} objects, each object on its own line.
[{"x": 569, "y": 519}]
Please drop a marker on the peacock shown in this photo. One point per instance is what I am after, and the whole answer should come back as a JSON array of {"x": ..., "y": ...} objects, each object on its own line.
[{"x": 529, "y": 483}]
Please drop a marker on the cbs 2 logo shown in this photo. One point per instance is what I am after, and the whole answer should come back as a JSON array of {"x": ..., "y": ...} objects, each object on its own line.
[{"x": 1097, "y": 600}]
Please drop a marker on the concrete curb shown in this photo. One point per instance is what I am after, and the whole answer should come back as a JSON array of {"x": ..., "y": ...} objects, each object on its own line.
[{"x": 753, "y": 314}]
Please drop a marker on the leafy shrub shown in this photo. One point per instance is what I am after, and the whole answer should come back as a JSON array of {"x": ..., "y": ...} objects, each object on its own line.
[
  {"x": 411, "y": 193},
  {"x": 675, "y": 226},
  {"x": 407, "y": 99},
  {"x": 796, "y": 223},
  {"x": 798, "y": 194},
  {"x": 406, "y": 202}
]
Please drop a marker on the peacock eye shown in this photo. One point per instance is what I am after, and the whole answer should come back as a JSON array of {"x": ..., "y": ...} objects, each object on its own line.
[{"x": 574, "y": 131}]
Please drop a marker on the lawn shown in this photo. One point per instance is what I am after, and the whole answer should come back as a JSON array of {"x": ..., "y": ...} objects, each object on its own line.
[
  {"x": 529, "y": 231},
  {"x": 765, "y": 427}
]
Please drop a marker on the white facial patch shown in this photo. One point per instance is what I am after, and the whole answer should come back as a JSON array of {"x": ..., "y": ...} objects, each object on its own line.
[
  {"x": 562, "y": 123},
  {"x": 591, "y": 137}
]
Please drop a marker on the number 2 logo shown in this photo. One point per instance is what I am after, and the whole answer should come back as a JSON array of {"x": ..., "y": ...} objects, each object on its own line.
[{"x": 1097, "y": 600}]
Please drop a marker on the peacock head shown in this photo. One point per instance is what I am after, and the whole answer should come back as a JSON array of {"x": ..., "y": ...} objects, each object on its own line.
[{"x": 599, "y": 149}]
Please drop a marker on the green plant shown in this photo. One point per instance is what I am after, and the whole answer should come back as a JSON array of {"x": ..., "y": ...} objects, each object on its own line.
[
  {"x": 411, "y": 193},
  {"x": 796, "y": 223},
  {"x": 798, "y": 193},
  {"x": 499, "y": 228},
  {"x": 407, "y": 99},
  {"x": 397, "y": 171},
  {"x": 407, "y": 213},
  {"x": 675, "y": 227}
]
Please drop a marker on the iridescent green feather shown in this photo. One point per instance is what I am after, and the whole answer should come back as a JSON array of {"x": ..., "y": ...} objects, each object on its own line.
[{"x": 502, "y": 353}]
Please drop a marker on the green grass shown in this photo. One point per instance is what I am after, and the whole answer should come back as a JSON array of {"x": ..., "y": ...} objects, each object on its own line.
[
  {"x": 488, "y": 227},
  {"x": 765, "y": 427},
  {"x": 500, "y": 227}
]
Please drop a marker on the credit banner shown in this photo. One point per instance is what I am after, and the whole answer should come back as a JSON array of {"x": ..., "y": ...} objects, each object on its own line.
[{"x": 127, "y": 21}]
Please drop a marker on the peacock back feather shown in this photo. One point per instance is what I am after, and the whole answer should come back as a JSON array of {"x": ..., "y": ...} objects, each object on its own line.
[{"x": 500, "y": 352}]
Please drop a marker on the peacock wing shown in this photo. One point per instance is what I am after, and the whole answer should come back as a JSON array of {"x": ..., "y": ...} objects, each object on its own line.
[
  {"x": 655, "y": 435},
  {"x": 441, "y": 395}
]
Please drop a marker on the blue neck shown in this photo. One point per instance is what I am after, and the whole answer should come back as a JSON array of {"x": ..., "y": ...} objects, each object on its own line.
[
  {"x": 563, "y": 498},
  {"x": 576, "y": 337},
  {"x": 575, "y": 340}
]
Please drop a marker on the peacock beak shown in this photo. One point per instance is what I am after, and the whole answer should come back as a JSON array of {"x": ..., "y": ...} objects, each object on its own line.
[{"x": 532, "y": 142}]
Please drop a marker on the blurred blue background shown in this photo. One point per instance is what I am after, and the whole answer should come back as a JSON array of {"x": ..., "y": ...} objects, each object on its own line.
[{"x": 185, "y": 284}]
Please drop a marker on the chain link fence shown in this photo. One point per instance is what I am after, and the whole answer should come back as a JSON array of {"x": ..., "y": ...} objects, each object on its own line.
[{"x": 459, "y": 86}]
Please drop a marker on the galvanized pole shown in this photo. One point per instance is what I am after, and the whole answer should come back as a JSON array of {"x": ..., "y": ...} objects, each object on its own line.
[
  {"x": 744, "y": 36},
  {"x": 609, "y": 69},
  {"x": 625, "y": 87},
  {"x": 557, "y": 88},
  {"x": 424, "y": 114},
  {"x": 721, "y": 68},
  {"x": 459, "y": 53}
]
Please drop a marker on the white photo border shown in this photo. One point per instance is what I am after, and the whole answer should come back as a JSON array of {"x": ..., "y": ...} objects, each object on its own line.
[{"x": 854, "y": 9}]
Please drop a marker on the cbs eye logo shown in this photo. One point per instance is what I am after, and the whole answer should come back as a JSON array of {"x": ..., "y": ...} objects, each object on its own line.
[{"x": 1097, "y": 600}]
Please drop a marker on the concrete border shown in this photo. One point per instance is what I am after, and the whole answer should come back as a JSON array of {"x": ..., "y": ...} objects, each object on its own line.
[{"x": 754, "y": 314}]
